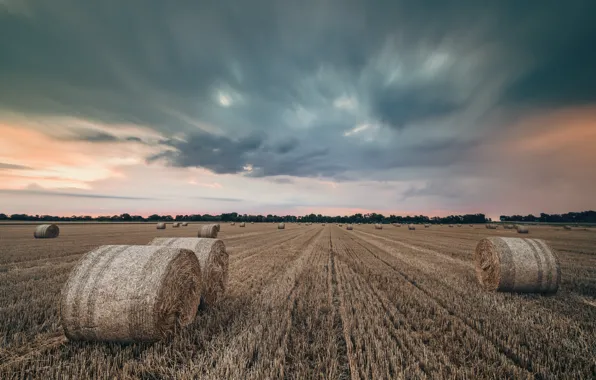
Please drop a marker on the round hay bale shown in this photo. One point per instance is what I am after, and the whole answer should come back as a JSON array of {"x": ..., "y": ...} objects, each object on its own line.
[
  {"x": 522, "y": 229},
  {"x": 281, "y": 226},
  {"x": 459, "y": 225},
  {"x": 567, "y": 227},
  {"x": 451, "y": 226},
  {"x": 161, "y": 226},
  {"x": 252, "y": 222},
  {"x": 517, "y": 265},
  {"x": 378, "y": 226},
  {"x": 349, "y": 227},
  {"x": 427, "y": 226},
  {"x": 340, "y": 225},
  {"x": 208, "y": 231},
  {"x": 213, "y": 259},
  {"x": 218, "y": 227},
  {"x": 185, "y": 224},
  {"x": 411, "y": 227},
  {"x": 242, "y": 224},
  {"x": 175, "y": 225},
  {"x": 130, "y": 293},
  {"x": 46, "y": 231}
]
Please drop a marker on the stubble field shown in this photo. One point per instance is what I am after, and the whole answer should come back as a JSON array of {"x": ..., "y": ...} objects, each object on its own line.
[{"x": 315, "y": 302}]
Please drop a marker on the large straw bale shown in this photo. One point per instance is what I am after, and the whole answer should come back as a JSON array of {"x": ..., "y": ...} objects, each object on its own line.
[
  {"x": 349, "y": 227},
  {"x": 213, "y": 258},
  {"x": 161, "y": 226},
  {"x": 184, "y": 224},
  {"x": 175, "y": 225},
  {"x": 378, "y": 226},
  {"x": 208, "y": 231},
  {"x": 411, "y": 227},
  {"x": 281, "y": 226},
  {"x": 567, "y": 227},
  {"x": 129, "y": 293},
  {"x": 517, "y": 265},
  {"x": 46, "y": 231},
  {"x": 242, "y": 224}
]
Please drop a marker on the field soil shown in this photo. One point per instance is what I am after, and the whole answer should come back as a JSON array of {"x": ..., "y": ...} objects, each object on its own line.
[{"x": 315, "y": 302}]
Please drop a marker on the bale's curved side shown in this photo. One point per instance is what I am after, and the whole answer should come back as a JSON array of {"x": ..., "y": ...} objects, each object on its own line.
[
  {"x": 185, "y": 224},
  {"x": 522, "y": 229},
  {"x": 175, "y": 225},
  {"x": 378, "y": 226},
  {"x": 161, "y": 226},
  {"x": 218, "y": 227},
  {"x": 567, "y": 227},
  {"x": 213, "y": 259},
  {"x": 208, "y": 231},
  {"x": 281, "y": 226},
  {"x": 46, "y": 231},
  {"x": 242, "y": 224},
  {"x": 232, "y": 224},
  {"x": 349, "y": 228},
  {"x": 411, "y": 227},
  {"x": 517, "y": 265},
  {"x": 125, "y": 293}
]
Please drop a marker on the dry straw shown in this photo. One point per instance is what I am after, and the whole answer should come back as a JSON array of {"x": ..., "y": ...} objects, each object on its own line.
[
  {"x": 175, "y": 225},
  {"x": 281, "y": 226},
  {"x": 218, "y": 227},
  {"x": 213, "y": 259},
  {"x": 46, "y": 231},
  {"x": 184, "y": 224},
  {"x": 232, "y": 224},
  {"x": 208, "y": 231},
  {"x": 161, "y": 226},
  {"x": 427, "y": 226},
  {"x": 451, "y": 226},
  {"x": 567, "y": 227},
  {"x": 242, "y": 224},
  {"x": 130, "y": 293},
  {"x": 349, "y": 227},
  {"x": 517, "y": 265},
  {"x": 522, "y": 229},
  {"x": 411, "y": 227},
  {"x": 378, "y": 226}
]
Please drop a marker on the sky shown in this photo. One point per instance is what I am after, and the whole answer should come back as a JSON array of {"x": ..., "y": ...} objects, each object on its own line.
[{"x": 269, "y": 106}]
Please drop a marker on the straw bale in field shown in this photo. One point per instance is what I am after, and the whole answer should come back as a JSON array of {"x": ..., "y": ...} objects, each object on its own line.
[
  {"x": 161, "y": 226},
  {"x": 46, "y": 231},
  {"x": 522, "y": 229},
  {"x": 517, "y": 265},
  {"x": 208, "y": 231},
  {"x": 213, "y": 258},
  {"x": 349, "y": 227},
  {"x": 378, "y": 226},
  {"x": 184, "y": 224},
  {"x": 175, "y": 225},
  {"x": 411, "y": 227},
  {"x": 130, "y": 293}
]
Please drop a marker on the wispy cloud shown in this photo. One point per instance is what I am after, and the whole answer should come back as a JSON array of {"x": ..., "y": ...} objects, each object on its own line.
[{"x": 48, "y": 193}]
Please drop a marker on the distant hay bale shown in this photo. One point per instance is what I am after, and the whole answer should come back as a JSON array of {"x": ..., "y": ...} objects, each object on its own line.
[
  {"x": 242, "y": 224},
  {"x": 349, "y": 227},
  {"x": 378, "y": 226},
  {"x": 161, "y": 226},
  {"x": 567, "y": 227},
  {"x": 46, "y": 231},
  {"x": 491, "y": 226},
  {"x": 323, "y": 224},
  {"x": 340, "y": 225},
  {"x": 427, "y": 226},
  {"x": 459, "y": 225},
  {"x": 184, "y": 224},
  {"x": 281, "y": 226},
  {"x": 208, "y": 231},
  {"x": 130, "y": 293},
  {"x": 471, "y": 225},
  {"x": 451, "y": 226},
  {"x": 411, "y": 227},
  {"x": 232, "y": 224},
  {"x": 213, "y": 259},
  {"x": 175, "y": 225},
  {"x": 517, "y": 265},
  {"x": 252, "y": 222},
  {"x": 522, "y": 229}
]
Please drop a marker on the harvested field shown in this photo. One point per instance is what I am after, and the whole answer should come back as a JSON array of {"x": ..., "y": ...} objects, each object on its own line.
[{"x": 315, "y": 302}]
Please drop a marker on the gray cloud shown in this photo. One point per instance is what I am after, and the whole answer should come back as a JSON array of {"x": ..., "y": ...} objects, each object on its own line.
[
  {"x": 257, "y": 83},
  {"x": 13, "y": 167},
  {"x": 69, "y": 194}
]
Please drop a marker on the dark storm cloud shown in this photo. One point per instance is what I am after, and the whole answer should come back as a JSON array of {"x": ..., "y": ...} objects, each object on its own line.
[
  {"x": 13, "y": 167},
  {"x": 69, "y": 194},
  {"x": 279, "y": 65}
]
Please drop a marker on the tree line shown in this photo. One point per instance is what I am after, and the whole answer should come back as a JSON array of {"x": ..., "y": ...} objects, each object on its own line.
[
  {"x": 570, "y": 217},
  {"x": 236, "y": 217}
]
